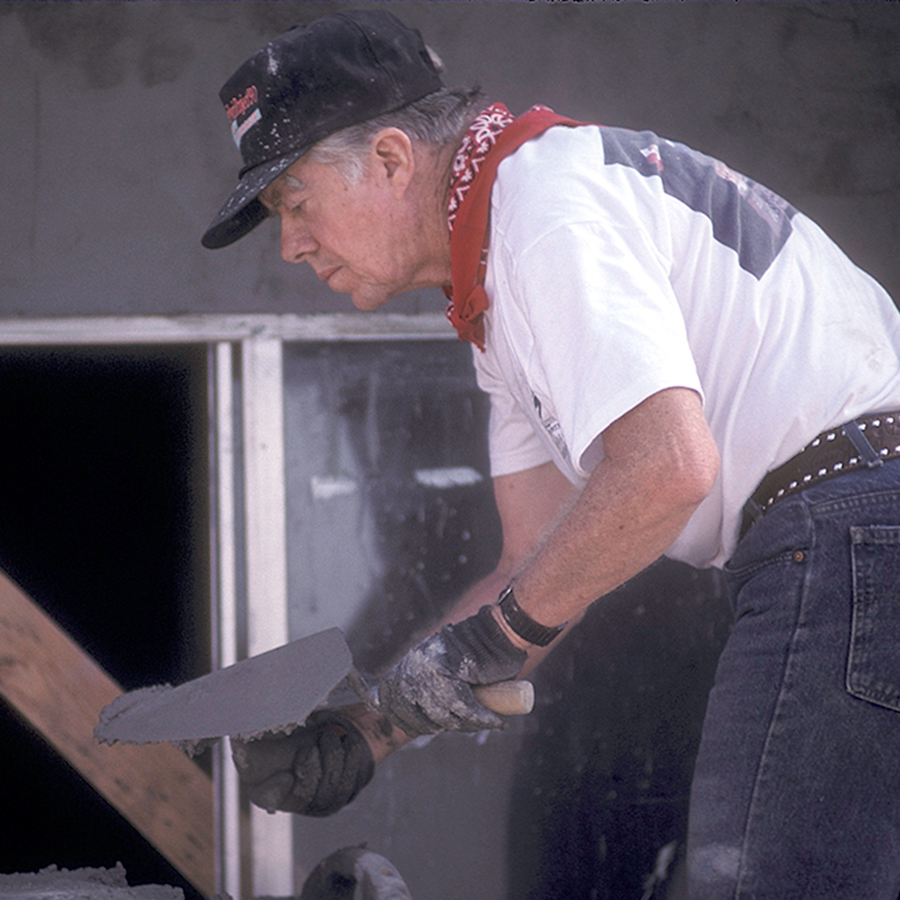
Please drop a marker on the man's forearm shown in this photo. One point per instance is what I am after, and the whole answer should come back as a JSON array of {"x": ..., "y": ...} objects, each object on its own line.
[
  {"x": 636, "y": 503},
  {"x": 561, "y": 554}
]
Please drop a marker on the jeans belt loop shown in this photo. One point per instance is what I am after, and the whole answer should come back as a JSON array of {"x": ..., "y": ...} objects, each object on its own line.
[{"x": 862, "y": 444}]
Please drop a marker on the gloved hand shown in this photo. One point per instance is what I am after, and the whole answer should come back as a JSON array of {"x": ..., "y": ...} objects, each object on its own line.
[
  {"x": 430, "y": 689},
  {"x": 315, "y": 771}
]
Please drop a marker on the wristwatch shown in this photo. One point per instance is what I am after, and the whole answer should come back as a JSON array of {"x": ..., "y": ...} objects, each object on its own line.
[{"x": 522, "y": 624}]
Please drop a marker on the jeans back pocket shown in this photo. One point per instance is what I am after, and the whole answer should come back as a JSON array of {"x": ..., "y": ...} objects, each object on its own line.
[{"x": 873, "y": 663}]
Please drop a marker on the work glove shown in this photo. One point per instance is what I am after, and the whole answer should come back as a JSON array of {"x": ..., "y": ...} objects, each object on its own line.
[
  {"x": 315, "y": 770},
  {"x": 430, "y": 689}
]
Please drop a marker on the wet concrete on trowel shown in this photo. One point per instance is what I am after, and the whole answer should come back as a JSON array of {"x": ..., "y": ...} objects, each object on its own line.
[{"x": 271, "y": 692}]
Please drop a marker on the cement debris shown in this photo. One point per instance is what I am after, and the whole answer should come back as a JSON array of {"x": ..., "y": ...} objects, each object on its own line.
[{"x": 53, "y": 883}]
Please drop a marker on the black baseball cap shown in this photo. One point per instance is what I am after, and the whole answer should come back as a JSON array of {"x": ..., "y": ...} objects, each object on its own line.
[{"x": 306, "y": 84}]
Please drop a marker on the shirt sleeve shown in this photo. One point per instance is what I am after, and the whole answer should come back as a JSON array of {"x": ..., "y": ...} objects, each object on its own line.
[
  {"x": 515, "y": 445},
  {"x": 605, "y": 327}
]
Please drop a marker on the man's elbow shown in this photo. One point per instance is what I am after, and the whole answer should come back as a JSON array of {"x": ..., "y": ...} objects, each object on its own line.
[{"x": 696, "y": 473}]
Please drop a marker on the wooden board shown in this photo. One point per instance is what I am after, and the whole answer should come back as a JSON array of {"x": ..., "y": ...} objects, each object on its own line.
[{"x": 60, "y": 690}]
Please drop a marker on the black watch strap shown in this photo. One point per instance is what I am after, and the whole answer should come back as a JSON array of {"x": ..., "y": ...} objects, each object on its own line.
[{"x": 522, "y": 624}]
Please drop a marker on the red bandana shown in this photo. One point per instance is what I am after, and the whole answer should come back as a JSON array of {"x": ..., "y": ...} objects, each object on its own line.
[
  {"x": 476, "y": 142},
  {"x": 492, "y": 137}
]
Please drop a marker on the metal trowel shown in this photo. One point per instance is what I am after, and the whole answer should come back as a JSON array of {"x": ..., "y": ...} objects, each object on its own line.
[{"x": 274, "y": 691}]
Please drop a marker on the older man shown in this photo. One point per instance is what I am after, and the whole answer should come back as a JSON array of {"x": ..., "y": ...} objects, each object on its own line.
[{"x": 679, "y": 363}]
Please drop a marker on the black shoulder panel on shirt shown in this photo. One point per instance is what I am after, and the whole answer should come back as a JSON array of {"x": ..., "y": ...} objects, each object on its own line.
[{"x": 747, "y": 217}]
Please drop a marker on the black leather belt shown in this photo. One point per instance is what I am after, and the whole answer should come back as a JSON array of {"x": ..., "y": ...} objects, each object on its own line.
[{"x": 865, "y": 442}]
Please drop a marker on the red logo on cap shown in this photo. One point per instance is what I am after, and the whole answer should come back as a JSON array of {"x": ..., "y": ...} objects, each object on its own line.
[{"x": 239, "y": 105}]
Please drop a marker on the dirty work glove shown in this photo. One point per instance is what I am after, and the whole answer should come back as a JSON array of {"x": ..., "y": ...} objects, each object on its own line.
[
  {"x": 315, "y": 771},
  {"x": 430, "y": 689}
]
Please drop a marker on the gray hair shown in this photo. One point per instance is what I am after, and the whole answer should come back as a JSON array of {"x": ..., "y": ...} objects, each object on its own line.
[{"x": 438, "y": 119}]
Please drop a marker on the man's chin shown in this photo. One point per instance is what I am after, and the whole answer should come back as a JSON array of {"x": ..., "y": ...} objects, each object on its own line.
[
  {"x": 362, "y": 300},
  {"x": 369, "y": 300},
  {"x": 364, "y": 296}
]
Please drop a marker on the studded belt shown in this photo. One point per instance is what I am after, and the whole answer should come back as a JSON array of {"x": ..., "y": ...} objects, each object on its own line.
[{"x": 864, "y": 442}]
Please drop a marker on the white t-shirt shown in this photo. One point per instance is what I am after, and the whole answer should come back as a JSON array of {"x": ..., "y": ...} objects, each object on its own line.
[{"x": 622, "y": 264}]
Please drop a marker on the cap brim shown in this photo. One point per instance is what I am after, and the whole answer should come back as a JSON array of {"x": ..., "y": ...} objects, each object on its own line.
[{"x": 242, "y": 211}]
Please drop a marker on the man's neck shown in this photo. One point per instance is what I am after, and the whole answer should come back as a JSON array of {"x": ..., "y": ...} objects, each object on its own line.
[{"x": 434, "y": 166}]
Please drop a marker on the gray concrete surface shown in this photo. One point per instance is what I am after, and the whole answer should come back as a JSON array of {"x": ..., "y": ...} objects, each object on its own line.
[{"x": 53, "y": 883}]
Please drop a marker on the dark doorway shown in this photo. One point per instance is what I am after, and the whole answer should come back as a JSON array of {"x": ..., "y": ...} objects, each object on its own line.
[{"x": 103, "y": 474}]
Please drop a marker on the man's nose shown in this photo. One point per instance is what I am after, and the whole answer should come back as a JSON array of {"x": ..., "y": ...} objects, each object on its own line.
[{"x": 296, "y": 242}]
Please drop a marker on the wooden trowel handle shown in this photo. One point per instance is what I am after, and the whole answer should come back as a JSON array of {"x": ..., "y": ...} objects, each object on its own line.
[{"x": 506, "y": 698}]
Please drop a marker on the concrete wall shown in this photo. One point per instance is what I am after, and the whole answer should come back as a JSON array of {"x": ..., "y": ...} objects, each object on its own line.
[{"x": 115, "y": 152}]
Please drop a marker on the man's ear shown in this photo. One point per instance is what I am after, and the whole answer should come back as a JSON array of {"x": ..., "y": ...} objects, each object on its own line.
[{"x": 394, "y": 158}]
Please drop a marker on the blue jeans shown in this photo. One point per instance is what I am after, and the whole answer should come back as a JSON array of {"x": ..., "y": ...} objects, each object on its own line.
[{"x": 796, "y": 792}]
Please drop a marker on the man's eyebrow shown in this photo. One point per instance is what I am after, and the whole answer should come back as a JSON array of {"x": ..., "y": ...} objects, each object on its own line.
[{"x": 272, "y": 203}]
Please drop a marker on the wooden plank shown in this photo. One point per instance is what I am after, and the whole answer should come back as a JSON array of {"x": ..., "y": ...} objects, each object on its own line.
[{"x": 60, "y": 690}]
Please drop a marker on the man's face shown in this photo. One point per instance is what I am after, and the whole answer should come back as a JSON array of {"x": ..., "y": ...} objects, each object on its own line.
[{"x": 360, "y": 238}]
